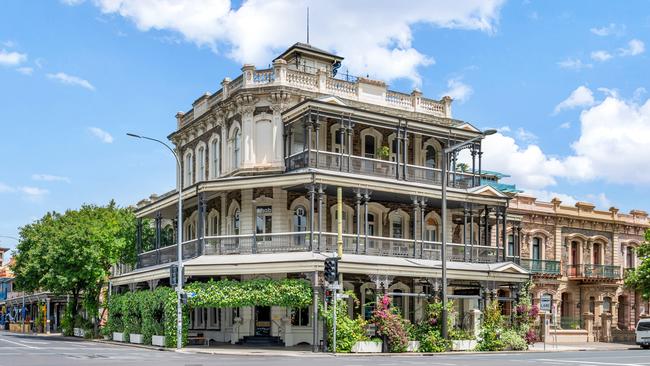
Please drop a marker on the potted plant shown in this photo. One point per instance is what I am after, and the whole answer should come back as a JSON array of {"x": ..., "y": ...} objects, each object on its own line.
[
  {"x": 383, "y": 153},
  {"x": 374, "y": 345}
]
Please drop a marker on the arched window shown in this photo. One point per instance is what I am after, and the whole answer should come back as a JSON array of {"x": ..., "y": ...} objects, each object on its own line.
[
  {"x": 215, "y": 155},
  {"x": 369, "y": 303},
  {"x": 371, "y": 225},
  {"x": 299, "y": 224},
  {"x": 398, "y": 301},
  {"x": 235, "y": 222},
  {"x": 396, "y": 226},
  {"x": 607, "y": 304},
  {"x": 629, "y": 257},
  {"x": 236, "y": 149},
  {"x": 189, "y": 167},
  {"x": 430, "y": 160},
  {"x": 201, "y": 163},
  {"x": 596, "y": 250},
  {"x": 369, "y": 146},
  {"x": 536, "y": 250},
  {"x": 574, "y": 253},
  {"x": 511, "y": 245},
  {"x": 299, "y": 219}
]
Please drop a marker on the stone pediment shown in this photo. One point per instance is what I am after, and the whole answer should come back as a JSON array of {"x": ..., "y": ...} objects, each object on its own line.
[{"x": 332, "y": 100}]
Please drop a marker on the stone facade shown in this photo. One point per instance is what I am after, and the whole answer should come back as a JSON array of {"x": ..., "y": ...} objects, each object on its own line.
[{"x": 593, "y": 250}]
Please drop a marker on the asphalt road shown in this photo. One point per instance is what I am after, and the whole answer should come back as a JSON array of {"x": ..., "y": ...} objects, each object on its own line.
[{"x": 20, "y": 350}]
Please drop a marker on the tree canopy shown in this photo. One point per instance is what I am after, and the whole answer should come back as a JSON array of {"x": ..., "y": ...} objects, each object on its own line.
[
  {"x": 72, "y": 253},
  {"x": 639, "y": 279}
]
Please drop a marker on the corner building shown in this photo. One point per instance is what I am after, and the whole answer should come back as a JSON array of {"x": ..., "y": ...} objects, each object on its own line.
[{"x": 262, "y": 159}]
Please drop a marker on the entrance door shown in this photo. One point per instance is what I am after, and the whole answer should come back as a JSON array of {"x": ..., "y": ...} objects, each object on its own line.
[{"x": 262, "y": 320}]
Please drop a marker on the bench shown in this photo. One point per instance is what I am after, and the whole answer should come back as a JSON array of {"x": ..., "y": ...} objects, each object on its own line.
[{"x": 195, "y": 338}]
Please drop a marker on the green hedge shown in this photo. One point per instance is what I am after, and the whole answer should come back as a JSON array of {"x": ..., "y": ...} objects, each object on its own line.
[{"x": 154, "y": 312}]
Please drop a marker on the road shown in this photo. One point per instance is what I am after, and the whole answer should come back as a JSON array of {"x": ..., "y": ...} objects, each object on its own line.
[{"x": 20, "y": 350}]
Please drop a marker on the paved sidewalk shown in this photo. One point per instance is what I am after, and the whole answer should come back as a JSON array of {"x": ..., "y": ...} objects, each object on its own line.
[{"x": 590, "y": 346}]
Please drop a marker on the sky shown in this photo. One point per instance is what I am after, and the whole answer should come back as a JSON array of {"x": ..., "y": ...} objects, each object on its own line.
[{"x": 565, "y": 83}]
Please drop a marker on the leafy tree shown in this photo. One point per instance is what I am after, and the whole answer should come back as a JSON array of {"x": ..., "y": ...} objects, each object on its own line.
[
  {"x": 72, "y": 253},
  {"x": 639, "y": 279},
  {"x": 462, "y": 167}
]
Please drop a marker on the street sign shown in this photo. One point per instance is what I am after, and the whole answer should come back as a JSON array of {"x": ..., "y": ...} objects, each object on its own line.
[
  {"x": 342, "y": 296},
  {"x": 545, "y": 302},
  {"x": 191, "y": 295},
  {"x": 334, "y": 286}
]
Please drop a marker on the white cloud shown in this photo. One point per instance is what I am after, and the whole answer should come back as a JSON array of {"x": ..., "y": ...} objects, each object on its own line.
[
  {"x": 610, "y": 29},
  {"x": 33, "y": 193},
  {"x": 612, "y": 147},
  {"x": 11, "y": 58},
  {"x": 72, "y": 2},
  {"x": 8, "y": 43},
  {"x": 25, "y": 70},
  {"x": 71, "y": 80},
  {"x": 566, "y": 125},
  {"x": 5, "y": 188},
  {"x": 50, "y": 178},
  {"x": 574, "y": 64},
  {"x": 104, "y": 136},
  {"x": 580, "y": 97},
  {"x": 547, "y": 196},
  {"x": 601, "y": 200},
  {"x": 634, "y": 47},
  {"x": 526, "y": 136},
  {"x": 601, "y": 56},
  {"x": 374, "y": 36},
  {"x": 458, "y": 90}
]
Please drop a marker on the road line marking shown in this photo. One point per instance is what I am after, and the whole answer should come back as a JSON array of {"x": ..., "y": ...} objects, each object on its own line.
[
  {"x": 19, "y": 344},
  {"x": 583, "y": 362}
]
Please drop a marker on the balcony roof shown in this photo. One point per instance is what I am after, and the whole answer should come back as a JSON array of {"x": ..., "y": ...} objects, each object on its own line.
[{"x": 305, "y": 48}]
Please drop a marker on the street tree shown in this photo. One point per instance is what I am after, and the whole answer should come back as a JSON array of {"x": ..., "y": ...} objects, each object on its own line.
[
  {"x": 72, "y": 253},
  {"x": 639, "y": 279}
]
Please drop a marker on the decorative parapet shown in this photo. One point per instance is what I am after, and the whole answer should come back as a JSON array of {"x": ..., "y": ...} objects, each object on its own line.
[{"x": 361, "y": 89}]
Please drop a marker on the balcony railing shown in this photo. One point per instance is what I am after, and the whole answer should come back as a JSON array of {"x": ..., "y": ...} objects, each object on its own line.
[
  {"x": 541, "y": 266},
  {"x": 374, "y": 167},
  {"x": 300, "y": 242},
  {"x": 593, "y": 271}
]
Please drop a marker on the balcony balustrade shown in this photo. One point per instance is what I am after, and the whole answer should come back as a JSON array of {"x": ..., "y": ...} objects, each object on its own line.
[
  {"x": 538, "y": 266},
  {"x": 375, "y": 167},
  {"x": 300, "y": 242},
  {"x": 598, "y": 271}
]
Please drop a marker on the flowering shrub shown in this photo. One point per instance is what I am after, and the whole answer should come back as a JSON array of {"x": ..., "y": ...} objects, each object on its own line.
[
  {"x": 348, "y": 331},
  {"x": 512, "y": 340},
  {"x": 390, "y": 325},
  {"x": 429, "y": 332},
  {"x": 491, "y": 328},
  {"x": 531, "y": 336}
]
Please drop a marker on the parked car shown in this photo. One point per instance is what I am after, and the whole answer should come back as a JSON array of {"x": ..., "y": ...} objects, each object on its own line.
[{"x": 643, "y": 333}]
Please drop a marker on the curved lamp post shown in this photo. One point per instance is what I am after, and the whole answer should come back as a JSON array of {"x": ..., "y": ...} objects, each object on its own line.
[
  {"x": 179, "y": 284},
  {"x": 443, "y": 251}
]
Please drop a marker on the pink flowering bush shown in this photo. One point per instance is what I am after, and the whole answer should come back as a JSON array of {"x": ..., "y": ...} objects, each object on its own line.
[{"x": 390, "y": 325}]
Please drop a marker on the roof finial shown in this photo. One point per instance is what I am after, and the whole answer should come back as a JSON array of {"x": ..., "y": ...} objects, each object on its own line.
[{"x": 307, "y": 25}]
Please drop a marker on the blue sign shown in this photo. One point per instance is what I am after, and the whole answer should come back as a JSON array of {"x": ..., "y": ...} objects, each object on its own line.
[{"x": 191, "y": 295}]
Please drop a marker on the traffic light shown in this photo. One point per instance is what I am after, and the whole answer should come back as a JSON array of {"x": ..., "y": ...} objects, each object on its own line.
[{"x": 331, "y": 269}]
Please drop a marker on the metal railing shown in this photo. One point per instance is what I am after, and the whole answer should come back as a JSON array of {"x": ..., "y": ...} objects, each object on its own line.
[
  {"x": 593, "y": 271},
  {"x": 302, "y": 242},
  {"x": 375, "y": 167},
  {"x": 541, "y": 266}
]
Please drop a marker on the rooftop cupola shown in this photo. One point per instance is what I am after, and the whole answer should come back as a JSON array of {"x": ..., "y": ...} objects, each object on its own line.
[{"x": 307, "y": 58}]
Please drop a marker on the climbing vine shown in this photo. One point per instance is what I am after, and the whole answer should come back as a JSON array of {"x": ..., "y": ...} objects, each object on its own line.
[{"x": 154, "y": 312}]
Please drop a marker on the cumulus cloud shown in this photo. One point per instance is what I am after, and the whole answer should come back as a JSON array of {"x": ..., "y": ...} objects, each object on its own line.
[
  {"x": 612, "y": 147},
  {"x": 72, "y": 2},
  {"x": 580, "y": 97},
  {"x": 12, "y": 58},
  {"x": 634, "y": 47},
  {"x": 5, "y": 188},
  {"x": 71, "y": 80},
  {"x": 526, "y": 136},
  {"x": 544, "y": 195},
  {"x": 565, "y": 125},
  {"x": 601, "y": 56},
  {"x": 50, "y": 178},
  {"x": 102, "y": 135},
  {"x": 374, "y": 36},
  {"x": 458, "y": 90},
  {"x": 610, "y": 29},
  {"x": 574, "y": 64}
]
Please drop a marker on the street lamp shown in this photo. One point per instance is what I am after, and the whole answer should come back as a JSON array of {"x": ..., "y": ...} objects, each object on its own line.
[
  {"x": 179, "y": 249},
  {"x": 443, "y": 251}
]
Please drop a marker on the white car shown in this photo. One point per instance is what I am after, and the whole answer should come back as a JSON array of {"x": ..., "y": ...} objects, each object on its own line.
[{"x": 643, "y": 333}]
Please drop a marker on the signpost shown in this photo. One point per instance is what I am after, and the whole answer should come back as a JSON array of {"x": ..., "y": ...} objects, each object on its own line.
[{"x": 545, "y": 302}]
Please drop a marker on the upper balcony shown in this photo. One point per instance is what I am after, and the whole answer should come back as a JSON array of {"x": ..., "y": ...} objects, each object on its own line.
[
  {"x": 313, "y": 71},
  {"x": 541, "y": 267},
  {"x": 593, "y": 272}
]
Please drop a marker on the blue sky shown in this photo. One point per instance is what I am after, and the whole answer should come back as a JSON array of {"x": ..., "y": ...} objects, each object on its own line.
[{"x": 565, "y": 83}]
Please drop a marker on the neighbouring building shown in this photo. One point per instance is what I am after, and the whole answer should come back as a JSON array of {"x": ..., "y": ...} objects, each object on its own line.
[
  {"x": 261, "y": 160},
  {"x": 579, "y": 256}
]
